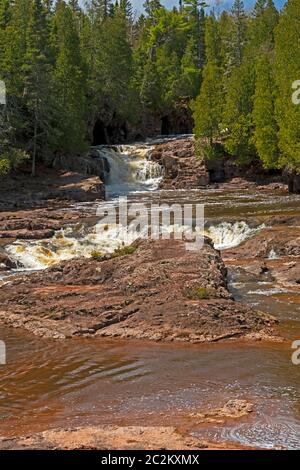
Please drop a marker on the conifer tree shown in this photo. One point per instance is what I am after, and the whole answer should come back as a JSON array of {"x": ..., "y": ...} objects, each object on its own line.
[
  {"x": 266, "y": 130},
  {"x": 287, "y": 71},
  {"x": 70, "y": 82},
  {"x": 36, "y": 76},
  {"x": 196, "y": 16},
  {"x": 126, "y": 9},
  {"x": 238, "y": 33},
  {"x": 208, "y": 106},
  {"x": 151, "y": 6}
]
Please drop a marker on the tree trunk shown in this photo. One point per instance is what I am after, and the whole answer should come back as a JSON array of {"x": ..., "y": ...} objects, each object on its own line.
[{"x": 34, "y": 146}]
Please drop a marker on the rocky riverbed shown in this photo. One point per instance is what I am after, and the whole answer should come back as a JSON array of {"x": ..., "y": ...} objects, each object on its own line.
[
  {"x": 215, "y": 367},
  {"x": 160, "y": 292}
]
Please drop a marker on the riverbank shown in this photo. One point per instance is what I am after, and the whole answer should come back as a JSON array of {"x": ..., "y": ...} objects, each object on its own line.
[{"x": 54, "y": 188}]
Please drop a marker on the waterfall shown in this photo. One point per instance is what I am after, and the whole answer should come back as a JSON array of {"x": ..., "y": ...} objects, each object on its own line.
[{"x": 130, "y": 169}]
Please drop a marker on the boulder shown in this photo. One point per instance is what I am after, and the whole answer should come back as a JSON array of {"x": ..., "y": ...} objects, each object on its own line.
[{"x": 183, "y": 170}]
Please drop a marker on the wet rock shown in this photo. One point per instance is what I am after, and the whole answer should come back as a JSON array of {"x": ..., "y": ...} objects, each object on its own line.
[
  {"x": 275, "y": 241},
  {"x": 236, "y": 408},
  {"x": 92, "y": 164},
  {"x": 233, "y": 409},
  {"x": 161, "y": 292},
  {"x": 6, "y": 263},
  {"x": 273, "y": 252},
  {"x": 27, "y": 234},
  {"x": 183, "y": 170},
  {"x": 36, "y": 224}
]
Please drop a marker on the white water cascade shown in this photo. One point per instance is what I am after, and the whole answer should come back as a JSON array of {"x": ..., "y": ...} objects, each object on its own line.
[
  {"x": 66, "y": 245},
  {"x": 229, "y": 235},
  {"x": 131, "y": 169}
]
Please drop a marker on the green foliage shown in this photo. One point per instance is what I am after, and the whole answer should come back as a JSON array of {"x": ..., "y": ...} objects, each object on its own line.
[
  {"x": 69, "y": 80},
  {"x": 201, "y": 293},
  {"x": 287, "y": 70},
  {"x": 237, "y": 117},
  {"x": 65, "y": 67},
  {"x": 96, "y": 254},
  {"x": 124, "y": 251},
  {"x": 236, "y": 104},
  {"x": 208, "y": 106},
  {"x": 11, "y": 160},
  {"x": 266, "y": 130}
]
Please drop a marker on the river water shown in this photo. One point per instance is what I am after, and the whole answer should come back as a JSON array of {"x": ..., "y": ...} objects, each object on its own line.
[{"x": 48, "y": 384}]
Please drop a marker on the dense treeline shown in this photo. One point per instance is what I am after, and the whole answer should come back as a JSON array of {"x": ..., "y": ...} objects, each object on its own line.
[
  {"x": 66, "y": 67},
  {"x": 246, "y": 94}
]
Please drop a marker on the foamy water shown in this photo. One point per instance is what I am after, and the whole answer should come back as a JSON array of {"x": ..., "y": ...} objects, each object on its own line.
[
  {"x": 103, "y": 239},
  {"x": 131, "y": 169},
  {"x": 229, "y": 235}
]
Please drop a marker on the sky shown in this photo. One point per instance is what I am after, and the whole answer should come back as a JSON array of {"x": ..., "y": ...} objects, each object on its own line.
[{"x": 223, "y": 4}]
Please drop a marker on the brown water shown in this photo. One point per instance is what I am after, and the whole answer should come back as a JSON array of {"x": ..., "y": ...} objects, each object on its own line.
[{"x": 49, "y": 384}]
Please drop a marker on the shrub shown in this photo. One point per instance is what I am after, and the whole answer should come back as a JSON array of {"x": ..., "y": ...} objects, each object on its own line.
[
  {"x": 200, "y": 293},
  {"x": 124, "y": 251},
  {"x": 96, "y": 254}
]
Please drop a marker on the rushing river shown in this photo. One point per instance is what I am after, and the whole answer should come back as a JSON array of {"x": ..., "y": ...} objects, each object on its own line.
[{"x": 48, "y": 384}]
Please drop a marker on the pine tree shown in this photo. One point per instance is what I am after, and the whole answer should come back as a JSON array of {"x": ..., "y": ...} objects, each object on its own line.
[
  {"x": 75, "y": 7},
  {"x": 114, "y": 68},
  {"x": 287, "y": 70},
  {"x": 5, "y": 16},
  {"x": 16, "y": 43},
  {"x": 194, "y": 10},
  {"x": 261, "y": 34},
  {"x": 99, "y": 10},
  {"x": 36, "y": 74},
  {"x": 190, "y": 78},
  {"x": 237, "y": 117},
  {"x": 251, "y": 41},
  {"x": 151, "y": 6},
  {"x": 238, "y": 33},
  {"x": 208, "y": 106},
  {"x": 259, "y": 8},
  {"x": 126, "y": 9},
  {"x": 261, "y": 52},
  {"x": 70, "y": 82},
  {"x": 65, "y": 67},
  {"x": 266, "y": 130}
]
